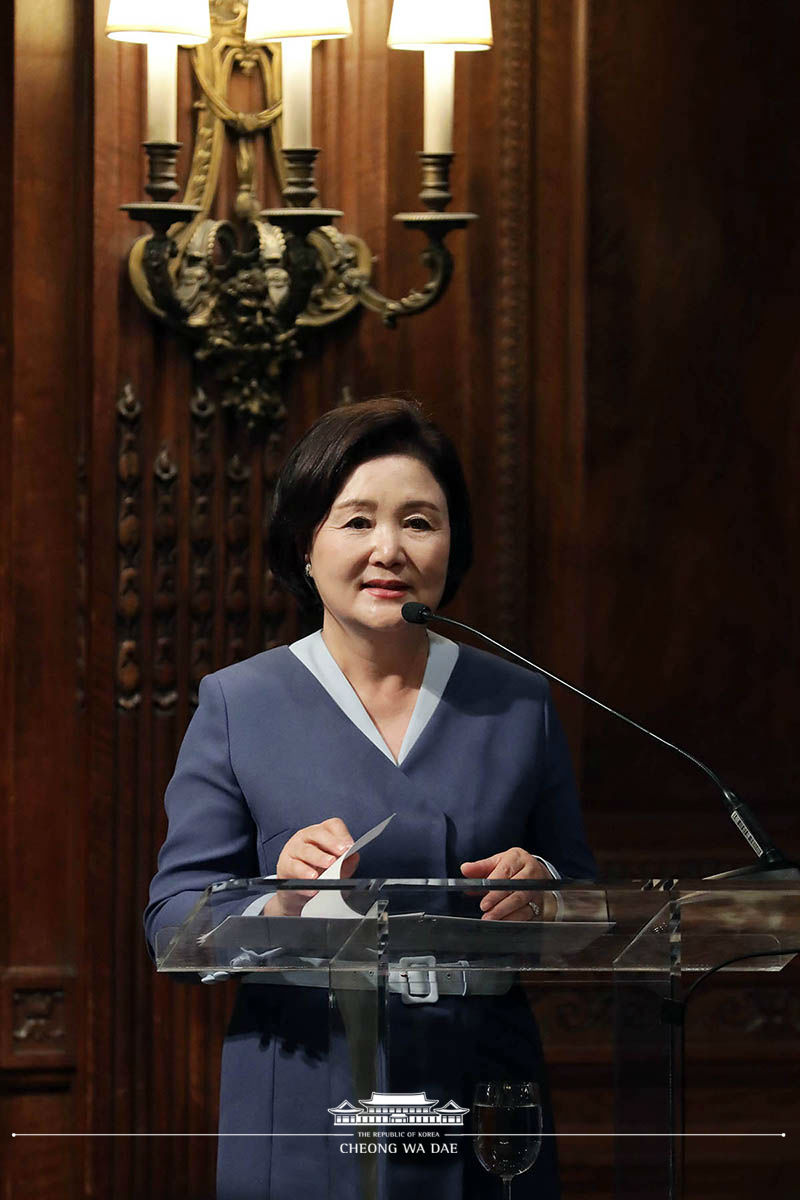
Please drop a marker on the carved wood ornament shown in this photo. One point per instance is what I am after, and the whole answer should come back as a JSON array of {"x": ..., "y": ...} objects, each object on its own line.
[
  {"x": 129, "y": 533},
  {"x": 201, "y": 541}
]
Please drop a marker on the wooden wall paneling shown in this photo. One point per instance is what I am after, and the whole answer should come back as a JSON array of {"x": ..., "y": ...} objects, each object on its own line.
[
  {"x": 276, "y": 608},
  {"x": 7, "y": 696},
  {"x": 557, "y": 155},
  {"x": 691, "y": 523},
  {"x": 8, "y": 1108},
  {"x": 44, "y": 476},
  {"x": 693, "y": 367},
  {"x": 44, "y": 372},
  {"x": 219, "y": 555},
  {"x": 120, "y": 674},
  {"x": 256, "y": 565},
  {"x": 576, "y": 1027},
  {"x": 133, "y": 691},
  {"x": 103, "y": 533},
  {"x": 374, "y": 108},
  {"x": 470, "y": 414},
  {"x": 172, "y": 1019},
  {"x": 742, "y": 1076},
  {"x": 164, "y": 481},
  {"x": 513, "y": 263},
  {"x": 157, "y": 1038},
  {"x": 237, "y": 557},
  {"x": 201, "y": 594},
  {"x": 355, "y": 175}
]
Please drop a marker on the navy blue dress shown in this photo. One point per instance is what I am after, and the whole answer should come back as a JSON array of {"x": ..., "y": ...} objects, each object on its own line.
[{"x": 268, "y": 752}]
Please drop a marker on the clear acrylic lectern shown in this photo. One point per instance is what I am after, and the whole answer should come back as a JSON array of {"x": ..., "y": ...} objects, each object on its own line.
[{"x": 428, "y": 999}]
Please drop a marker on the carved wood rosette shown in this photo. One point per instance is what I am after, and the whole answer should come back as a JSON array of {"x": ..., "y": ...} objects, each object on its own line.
[
  {"x": 38, "y": 1017},
  {"x": 129, "y": 603},
  {"x": 37, "y": 1023}
]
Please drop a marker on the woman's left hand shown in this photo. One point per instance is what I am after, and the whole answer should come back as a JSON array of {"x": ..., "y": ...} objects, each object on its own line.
[{"x": 515, "y": 863}]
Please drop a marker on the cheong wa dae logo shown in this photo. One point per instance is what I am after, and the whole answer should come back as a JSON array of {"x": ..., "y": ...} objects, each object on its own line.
[{"x": 398, "y": 1110}]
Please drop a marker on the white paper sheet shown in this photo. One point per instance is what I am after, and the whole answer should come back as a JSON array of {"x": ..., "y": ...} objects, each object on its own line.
[{"x": 332, "y": 903}]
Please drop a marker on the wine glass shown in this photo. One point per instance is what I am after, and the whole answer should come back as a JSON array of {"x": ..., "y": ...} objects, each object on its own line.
[{"x": 507, "y": 1119}]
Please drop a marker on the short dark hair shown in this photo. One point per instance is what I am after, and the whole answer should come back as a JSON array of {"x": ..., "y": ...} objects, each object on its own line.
[{"x": 325, "y": 457}]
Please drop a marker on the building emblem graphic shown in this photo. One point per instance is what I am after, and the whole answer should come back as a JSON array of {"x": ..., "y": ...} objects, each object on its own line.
[{"x": 398, "y": 1109}]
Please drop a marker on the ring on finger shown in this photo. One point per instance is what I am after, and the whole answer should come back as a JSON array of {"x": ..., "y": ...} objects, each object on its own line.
[{"x": 534, "y": 907}]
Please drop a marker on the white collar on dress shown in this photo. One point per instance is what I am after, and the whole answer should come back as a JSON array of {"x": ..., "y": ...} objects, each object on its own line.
[{"x": 442, "y": 654}]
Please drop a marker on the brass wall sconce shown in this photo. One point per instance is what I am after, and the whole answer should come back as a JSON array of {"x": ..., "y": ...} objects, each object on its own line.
[{"x": 245, "y": 289}]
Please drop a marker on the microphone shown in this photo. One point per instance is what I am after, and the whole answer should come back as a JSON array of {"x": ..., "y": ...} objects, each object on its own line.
[
  {"x": 769, "y": 856},
  {"x": 418, "y": 614}
]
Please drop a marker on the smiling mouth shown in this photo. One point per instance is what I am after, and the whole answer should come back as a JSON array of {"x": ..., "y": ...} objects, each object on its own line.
[{"x": 391, "y": 587}]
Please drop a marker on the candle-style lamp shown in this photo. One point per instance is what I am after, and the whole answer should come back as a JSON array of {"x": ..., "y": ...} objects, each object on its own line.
[
  {"x": 297, "y": 25},
  {"x": 162, "y": 25},
  {"x": 439, "y": 28}
]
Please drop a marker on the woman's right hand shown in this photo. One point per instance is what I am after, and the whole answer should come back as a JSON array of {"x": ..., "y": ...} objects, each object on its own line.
[{"x": 306, "y": 855}]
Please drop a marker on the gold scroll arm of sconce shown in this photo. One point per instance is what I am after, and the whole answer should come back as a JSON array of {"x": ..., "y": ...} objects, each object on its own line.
[{"x": 436, "y": 258}]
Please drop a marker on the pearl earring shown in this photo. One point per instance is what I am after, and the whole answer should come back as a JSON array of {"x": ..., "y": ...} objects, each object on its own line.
[{"x": 308, "y": 570}]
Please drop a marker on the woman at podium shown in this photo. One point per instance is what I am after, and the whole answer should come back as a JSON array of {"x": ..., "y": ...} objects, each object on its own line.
[{"x": 297, "y": 751}]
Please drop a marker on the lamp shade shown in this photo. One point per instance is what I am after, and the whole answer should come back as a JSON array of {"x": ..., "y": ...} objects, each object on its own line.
[
  {"x": 184, "y": 22},
  {"x": 460, "y": 24},
  {"x": 278, "y": 20}
]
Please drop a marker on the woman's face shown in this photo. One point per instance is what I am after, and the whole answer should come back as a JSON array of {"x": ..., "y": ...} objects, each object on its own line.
[{"x": 386, "y": 540}]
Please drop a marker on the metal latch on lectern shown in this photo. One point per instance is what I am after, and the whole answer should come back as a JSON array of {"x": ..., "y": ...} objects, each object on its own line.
[{"x": 418, "y": 983}]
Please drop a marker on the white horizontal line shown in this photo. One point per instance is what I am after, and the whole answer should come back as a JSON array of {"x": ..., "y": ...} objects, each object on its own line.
[{"x": 445, "y": 1134}]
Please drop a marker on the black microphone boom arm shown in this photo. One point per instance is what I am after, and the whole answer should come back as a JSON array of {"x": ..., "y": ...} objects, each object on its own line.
[{"x": 770, "y": 858}]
